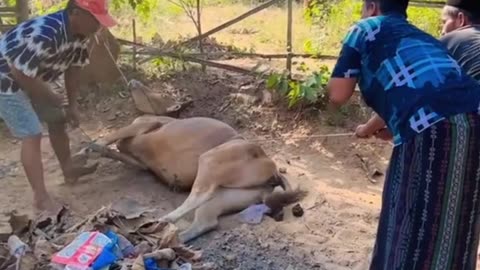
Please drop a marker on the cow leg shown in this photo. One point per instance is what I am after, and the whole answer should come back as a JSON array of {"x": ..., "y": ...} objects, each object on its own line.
[
  {"x": 130, "y": 131},
  {"x": 225, "y": 166},
  {"x": 115, "y": 155},
  {"x": 225, "y": 200},
  {"x": 205, "y": 220},
  {"x": 194, "y": 200}
]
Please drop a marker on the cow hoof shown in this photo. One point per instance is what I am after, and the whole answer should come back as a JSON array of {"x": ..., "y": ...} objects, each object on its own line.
[{"x": 182, "y": 238}]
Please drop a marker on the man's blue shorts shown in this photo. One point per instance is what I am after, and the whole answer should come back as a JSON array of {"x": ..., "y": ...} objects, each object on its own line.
[{"x": 23, "y": 118}]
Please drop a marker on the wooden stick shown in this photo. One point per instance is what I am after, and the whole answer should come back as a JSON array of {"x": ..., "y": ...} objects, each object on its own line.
[
  {"x": 229, "y": 23},
  {"x": 85, "y": 221},
  {"x": 6, "y": 27},
  {"x": 134, "y": 30},
  {"x": 199, "y": 29},
  {"x": 236, "y": 54},
  {"x": 289, "y": 39},
  {"x": 8, "y": 9},
  {"x": 7, "y": 14},
  {"x": 204, "y": 62}
]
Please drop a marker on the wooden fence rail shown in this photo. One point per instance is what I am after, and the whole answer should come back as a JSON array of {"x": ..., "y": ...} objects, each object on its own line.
[{"x": 20, "y": 12}]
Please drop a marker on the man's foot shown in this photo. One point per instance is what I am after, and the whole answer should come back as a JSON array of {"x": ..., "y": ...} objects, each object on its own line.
[
  {"x": 46, "y": 204},
  {"x": 72, "y": 176}
]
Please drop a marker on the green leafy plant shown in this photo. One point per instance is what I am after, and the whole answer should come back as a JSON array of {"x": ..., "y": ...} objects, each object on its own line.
[
  {"x": 317, "y": 11},
  {"x": 143, "y": 8},
  {"x": 166, "y": 65},
  {"x": 311, "y": 90}
]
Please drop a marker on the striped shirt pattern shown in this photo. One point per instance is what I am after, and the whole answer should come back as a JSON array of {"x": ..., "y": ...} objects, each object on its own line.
[
  {"x": 405, "y": 75},
  {"x": 40, "y": 48}
]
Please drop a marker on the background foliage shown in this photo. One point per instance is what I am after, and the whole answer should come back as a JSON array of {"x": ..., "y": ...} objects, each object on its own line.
[{"x": 318, "y": 29}]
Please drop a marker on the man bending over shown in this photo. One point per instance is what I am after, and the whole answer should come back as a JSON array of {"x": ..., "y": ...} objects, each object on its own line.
[{"x": 33, "y": 54}]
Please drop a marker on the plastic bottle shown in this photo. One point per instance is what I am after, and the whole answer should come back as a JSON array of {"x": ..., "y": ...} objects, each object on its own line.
[
  {"x": 126, "y": 247},
  {"x": 16, "y": 246}
]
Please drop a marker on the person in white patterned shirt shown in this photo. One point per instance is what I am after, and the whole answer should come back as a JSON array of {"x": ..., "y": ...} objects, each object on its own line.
[{"x": 33, "y": 54}]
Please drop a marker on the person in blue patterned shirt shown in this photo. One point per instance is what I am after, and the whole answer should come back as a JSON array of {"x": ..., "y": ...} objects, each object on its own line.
[
  {"x": 32, "y": 54},
  {"x": 430, "y": 207}
]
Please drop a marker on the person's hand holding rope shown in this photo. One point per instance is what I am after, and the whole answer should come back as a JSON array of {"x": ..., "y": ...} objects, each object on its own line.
[
  {"x": 72, "y": 115},
  {"x": 365, "y": 132}
]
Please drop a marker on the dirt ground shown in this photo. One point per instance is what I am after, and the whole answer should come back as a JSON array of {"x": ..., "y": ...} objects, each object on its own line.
[{"x": 341, "y": 209}]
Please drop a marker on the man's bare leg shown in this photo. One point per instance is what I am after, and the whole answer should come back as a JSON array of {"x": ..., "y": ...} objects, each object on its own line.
[
  {"x": 31, "y": 158},
  {"x": 61, "y": 146}
]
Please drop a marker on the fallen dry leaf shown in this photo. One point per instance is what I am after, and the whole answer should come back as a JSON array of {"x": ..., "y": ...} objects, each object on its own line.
[
  {"x": 19, "y": 223},
  {"x": 162, "y": 254},
  {"x": 28, "y": 262},
  {"x": 43, "y": 249},
  {"x": 188, "y": 254},
  {"x": 129, "y": 208},
  {"x": 138, "y": 264}
]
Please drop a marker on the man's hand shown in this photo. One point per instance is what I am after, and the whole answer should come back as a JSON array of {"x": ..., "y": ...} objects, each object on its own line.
[
  {"x": 362, "y": 132},
  {"x": 368, "y": 129},
  {"x": 384, "y": 134},
  {"x": 36, "y": 89},
  {"x": 55, "y": 99},
  {"x": 73, "y": 116}
]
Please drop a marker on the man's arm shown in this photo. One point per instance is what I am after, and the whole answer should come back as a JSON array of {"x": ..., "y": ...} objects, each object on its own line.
[
  {"x": 36, "y": 89},
  {"x": 340, "y": 90},
  {"x": 341, "y": 85},
  {"x": 72, "y": 76}
]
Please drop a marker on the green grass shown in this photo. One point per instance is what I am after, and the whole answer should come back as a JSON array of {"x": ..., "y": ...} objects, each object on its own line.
[{"x": 263, "y": 32}]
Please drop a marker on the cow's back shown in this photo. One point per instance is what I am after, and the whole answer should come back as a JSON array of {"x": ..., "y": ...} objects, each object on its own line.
[{"x": 172, "y": 152}]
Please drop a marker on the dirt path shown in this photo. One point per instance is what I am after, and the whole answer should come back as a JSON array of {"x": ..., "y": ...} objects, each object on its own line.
[{"x": 341, "y": 210}]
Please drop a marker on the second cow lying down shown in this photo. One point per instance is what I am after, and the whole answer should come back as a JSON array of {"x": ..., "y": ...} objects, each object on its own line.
[{"x": 224, "y": 172}]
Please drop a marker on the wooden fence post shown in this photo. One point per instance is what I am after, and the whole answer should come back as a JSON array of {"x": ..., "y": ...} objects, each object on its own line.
[
  {"x": 23, "y": 11},
  {"x": 199, "y": 30},
  {"x": 134, "y": 31},
  {"x": 289, "y": 38}
]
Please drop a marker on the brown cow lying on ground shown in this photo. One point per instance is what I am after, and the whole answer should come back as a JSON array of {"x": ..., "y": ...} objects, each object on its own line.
[{"x": 224, "y": 172}]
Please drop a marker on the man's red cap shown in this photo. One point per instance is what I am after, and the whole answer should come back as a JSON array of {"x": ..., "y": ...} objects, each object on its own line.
[{"x": 99, "y": 9}]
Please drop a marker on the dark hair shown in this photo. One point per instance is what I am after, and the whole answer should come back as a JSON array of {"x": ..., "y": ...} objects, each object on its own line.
[
  {"x": 474, "y": 18},
  {"x": 71, "y": 5},
  {"x": 392, "y": 6}
]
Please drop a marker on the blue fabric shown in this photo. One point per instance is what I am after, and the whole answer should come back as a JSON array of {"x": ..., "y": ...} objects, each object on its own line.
[
  {"x": 254, "y": 213},
  {"x": 405, "y": 75},
  {"x": 42, "y": 48},
  {"x": 19, "y": 115},
  {"x": 151, "y": 264}
]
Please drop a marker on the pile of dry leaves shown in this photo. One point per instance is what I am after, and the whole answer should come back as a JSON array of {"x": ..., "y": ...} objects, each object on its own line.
[{"x": 45, "y": 236}]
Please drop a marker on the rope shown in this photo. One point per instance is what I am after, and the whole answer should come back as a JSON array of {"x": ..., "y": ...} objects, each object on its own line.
[{"x": 308, "y": 137}]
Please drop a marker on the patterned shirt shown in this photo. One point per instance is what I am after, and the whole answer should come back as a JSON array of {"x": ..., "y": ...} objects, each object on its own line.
[
  {"x": 405, "y": 75},
  {"x": 40, "y": 48}
]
